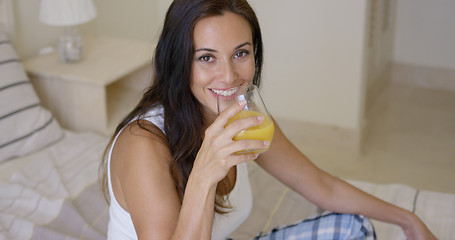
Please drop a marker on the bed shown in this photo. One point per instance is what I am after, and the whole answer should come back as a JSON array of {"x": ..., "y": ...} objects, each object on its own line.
[{"x": 49, "y": 176}]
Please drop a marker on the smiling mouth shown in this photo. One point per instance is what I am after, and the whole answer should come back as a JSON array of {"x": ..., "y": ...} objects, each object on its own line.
[{"x": 224, "y": 93}]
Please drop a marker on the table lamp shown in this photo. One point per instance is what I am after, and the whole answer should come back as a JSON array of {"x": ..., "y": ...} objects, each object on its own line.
[{"x": 68, "y": 13}]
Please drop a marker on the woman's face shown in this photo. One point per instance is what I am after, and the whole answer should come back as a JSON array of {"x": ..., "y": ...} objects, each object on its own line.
[{"x": 223, "y": 58}]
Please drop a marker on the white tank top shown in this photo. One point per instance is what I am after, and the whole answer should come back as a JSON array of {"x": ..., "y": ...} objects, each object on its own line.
[{"x": 240, "y": 199}]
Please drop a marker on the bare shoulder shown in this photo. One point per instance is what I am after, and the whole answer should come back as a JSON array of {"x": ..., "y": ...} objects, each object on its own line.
[
  {"x": 141, "y": 138},
  {"x": 141, "y": 180},
  {"x": 140, "y": 148},
  {"x": 140, "y": 145}
]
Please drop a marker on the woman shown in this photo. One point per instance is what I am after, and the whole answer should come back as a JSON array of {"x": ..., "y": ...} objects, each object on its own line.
[{"x": 170, "y": 169}]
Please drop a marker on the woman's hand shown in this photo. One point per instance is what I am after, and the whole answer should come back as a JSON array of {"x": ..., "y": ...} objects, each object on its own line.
[
  {"x": 217, "y": 153},
  {"x": 417, "y": 230}
]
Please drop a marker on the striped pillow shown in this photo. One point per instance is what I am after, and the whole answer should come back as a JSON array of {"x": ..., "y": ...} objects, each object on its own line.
[{"x": 25, "y": 126}]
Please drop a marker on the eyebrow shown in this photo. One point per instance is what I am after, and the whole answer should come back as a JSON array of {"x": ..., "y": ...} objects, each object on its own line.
[{"x": 213, "y": 50}]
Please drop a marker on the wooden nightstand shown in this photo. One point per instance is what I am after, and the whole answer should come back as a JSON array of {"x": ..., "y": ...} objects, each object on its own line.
[{"x": 95, "y": 93}]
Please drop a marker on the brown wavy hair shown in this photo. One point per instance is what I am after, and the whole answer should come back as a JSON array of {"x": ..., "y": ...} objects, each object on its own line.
[{"x": 183, "y": 120}]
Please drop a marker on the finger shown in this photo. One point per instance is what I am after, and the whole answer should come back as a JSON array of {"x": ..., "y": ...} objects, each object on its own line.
[
  {"x": 241, "y": 158},
  {"x": 234, "y": 147},
  {"x": 243, "y": 145}
]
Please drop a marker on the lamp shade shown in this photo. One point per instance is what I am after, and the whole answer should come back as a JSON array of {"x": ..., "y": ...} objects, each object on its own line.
[{"x": 66, "y": 12}]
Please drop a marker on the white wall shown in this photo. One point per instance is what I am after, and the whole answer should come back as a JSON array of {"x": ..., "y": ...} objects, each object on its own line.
[
  {"x": 425, "y": 33},
  {"x": 314, "y": 59},
  {"x": 31, "y": 34},
  {"x": 380, "y": 48},
  {"x": 135, "y": 19}
]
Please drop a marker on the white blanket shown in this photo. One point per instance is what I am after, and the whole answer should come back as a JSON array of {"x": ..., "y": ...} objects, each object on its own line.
[
  {"x": 436, "y": 209},
  {"x": 54, "y": 193}
]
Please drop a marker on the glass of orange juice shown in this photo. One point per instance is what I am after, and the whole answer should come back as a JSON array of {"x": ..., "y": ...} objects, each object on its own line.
[{"x": 255, "y": 106}]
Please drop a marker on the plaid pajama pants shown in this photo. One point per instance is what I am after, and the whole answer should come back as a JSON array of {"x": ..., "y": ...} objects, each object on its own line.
[{"x": 324, "y": 227}]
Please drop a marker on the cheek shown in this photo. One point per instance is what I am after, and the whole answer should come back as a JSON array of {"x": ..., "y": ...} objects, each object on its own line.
[
  {"x": 200, "y": 77},
  {"x": 248, "y": 71}
]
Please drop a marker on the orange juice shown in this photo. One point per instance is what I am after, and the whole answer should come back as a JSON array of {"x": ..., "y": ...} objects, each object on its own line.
[{"x": 263, "y": 131}]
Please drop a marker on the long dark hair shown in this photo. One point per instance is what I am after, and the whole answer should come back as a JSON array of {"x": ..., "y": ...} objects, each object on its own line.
[{"x": 183, "y": 120}]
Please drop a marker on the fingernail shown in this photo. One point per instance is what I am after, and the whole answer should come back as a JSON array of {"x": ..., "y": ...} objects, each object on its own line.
[
  {"x": 260, "y": 118},
  {"x": 242, "y": 102},
  {"x": 266, "y": 143}
]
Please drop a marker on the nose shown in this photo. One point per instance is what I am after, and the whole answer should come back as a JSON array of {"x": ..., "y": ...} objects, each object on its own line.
[{"x": 228, "y": 73}]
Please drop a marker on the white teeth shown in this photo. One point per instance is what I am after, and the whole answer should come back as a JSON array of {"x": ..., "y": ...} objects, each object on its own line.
[{"x": 224, "y": 93}]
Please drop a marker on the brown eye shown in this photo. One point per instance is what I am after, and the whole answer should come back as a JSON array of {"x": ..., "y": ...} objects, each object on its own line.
[
  {"x": 205, "y": 58},
  {"x": 240, "y": 54}
]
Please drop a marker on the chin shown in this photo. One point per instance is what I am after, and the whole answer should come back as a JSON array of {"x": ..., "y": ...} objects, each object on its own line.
[{"x": 209, "y": 108}]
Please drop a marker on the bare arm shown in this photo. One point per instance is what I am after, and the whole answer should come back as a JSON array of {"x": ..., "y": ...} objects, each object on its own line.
[{"x": 290, "y": 166}]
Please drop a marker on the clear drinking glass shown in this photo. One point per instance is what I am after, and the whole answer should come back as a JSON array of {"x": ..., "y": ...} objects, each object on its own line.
[{"x": 255, "y": 106}]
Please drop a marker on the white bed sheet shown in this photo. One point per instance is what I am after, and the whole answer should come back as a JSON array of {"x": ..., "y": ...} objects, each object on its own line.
[{"x": 54, "y": 193}]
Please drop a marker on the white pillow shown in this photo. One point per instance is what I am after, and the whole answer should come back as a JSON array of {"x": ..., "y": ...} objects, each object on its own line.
[{"x": 25, "y": 126}]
